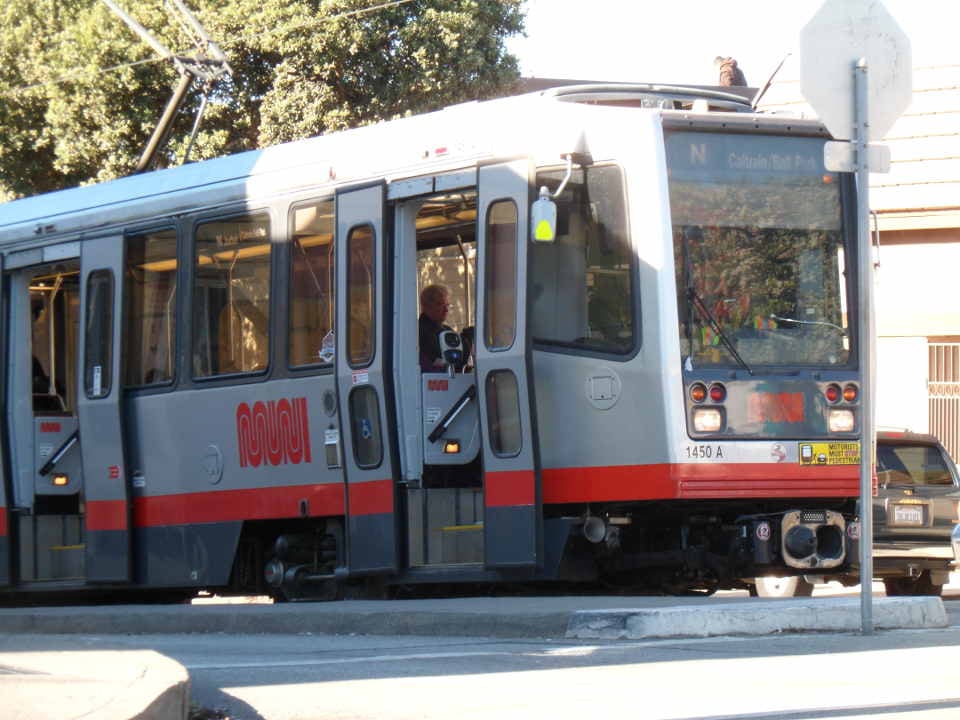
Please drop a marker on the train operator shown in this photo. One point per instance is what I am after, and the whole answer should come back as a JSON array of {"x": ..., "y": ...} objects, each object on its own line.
[{"x": 434, "y": 306}]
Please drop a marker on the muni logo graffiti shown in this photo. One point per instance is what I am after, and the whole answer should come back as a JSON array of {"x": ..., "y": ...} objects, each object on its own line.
[{"x": 275, "y": 432}]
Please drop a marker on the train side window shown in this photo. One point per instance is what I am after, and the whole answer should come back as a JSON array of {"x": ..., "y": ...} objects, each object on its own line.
[
  {"x": 98, "y": 335},
  {"x": 150, "y": 314},
  {"x": 503, "y": 413},
  {"x": 360, "y": 295},
  {"x": 312, "y": 285},
  {"x": 365, "y": 427},
  {"x": 500, "y": 290},
  {"x": 231, "y": 296},
  {"x": 582, "y": 289}
]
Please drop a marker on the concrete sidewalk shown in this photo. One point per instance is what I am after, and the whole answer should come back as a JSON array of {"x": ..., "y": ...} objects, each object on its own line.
[
  {"x": 114, "y": 685},
  {"x": 148, "y": 686}
]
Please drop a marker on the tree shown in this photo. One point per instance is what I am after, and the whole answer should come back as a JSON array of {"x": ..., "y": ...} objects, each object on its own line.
[{"x": 80, "y": 93}]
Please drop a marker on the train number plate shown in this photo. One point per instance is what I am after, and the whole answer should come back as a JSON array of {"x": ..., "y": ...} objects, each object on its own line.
[
  {"x": 908, "y": 515},
  {"x": 830, "y": 453}
]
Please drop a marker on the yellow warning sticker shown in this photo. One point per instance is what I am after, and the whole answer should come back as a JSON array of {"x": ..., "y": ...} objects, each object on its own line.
[{"x": 830, "y": 453}]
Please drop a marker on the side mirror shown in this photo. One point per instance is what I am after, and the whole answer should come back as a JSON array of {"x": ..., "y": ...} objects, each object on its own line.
[{"x": 543, "y": 218}]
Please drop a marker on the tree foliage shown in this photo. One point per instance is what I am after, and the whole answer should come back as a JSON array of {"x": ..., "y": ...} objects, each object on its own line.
[{"x": 69, "y": 114}]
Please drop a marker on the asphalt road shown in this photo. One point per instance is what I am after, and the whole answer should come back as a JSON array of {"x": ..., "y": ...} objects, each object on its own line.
[
  {"x": 891, "y": 674},
  {"x": 298, "y": 675}
]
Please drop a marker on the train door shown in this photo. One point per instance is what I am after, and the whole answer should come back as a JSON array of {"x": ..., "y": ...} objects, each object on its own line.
[
  {"x": 511, "y": 459},
  {"x": 363, "y": 384},
  {"x": 4, "y": 525},
  {"x": 106, "y": 496},
  {"x": 45, "y": 482},
  {"x": 435, "y": 301}
]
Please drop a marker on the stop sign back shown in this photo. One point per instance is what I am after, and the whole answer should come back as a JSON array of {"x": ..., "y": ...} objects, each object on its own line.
[{"x": 837, "y": 36}]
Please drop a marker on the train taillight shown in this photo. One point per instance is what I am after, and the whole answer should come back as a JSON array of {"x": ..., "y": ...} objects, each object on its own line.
[
  {"x": 850, "y": 393},
  {"x": 832, "y": 393},
  {"x": 718, "y": 393},
  {"x": 698, "y": 392}
]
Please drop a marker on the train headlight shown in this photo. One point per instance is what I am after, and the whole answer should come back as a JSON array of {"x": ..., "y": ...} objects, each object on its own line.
[
  {"x": 840, "y": 420},
  {"x": 707, "y": 419}
]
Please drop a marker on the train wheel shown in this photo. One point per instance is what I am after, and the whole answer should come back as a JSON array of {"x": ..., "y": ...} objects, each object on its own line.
[{"x": 782, "y": 587}]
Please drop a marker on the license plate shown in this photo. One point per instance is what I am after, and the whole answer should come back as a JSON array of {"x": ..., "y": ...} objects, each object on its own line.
[
  {"x": 830, "y": 453},
  {"x": 909, "y": 515}
]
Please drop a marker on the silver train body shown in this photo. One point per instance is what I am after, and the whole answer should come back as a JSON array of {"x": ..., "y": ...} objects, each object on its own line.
[{"x": 211, "y": 375}]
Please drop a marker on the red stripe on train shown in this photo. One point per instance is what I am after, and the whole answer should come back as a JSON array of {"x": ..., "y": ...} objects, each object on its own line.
[
  {"x": 509, "y": 488},
  {"x": 234, "y": 505},
  {"x": 374, "y": 497},
  {"x": 3, "y": 522},
  {"x": 698, "y": 481},
  {"x": 107, "y": 515}
]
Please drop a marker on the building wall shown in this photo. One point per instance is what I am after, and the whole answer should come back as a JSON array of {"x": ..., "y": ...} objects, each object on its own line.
[{"x": 916, "y": 208}]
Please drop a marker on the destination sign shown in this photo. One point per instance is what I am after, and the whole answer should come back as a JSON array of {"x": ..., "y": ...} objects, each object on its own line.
[{"x": 700, "y": 155}]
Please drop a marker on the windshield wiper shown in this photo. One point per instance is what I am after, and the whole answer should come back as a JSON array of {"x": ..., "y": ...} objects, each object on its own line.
[
  {"x": 778, "y": 318},
  {"x": 697, "y": 302}
]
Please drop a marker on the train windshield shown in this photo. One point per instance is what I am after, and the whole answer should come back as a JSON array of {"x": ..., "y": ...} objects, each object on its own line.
[{"x": 759, "y": 250}]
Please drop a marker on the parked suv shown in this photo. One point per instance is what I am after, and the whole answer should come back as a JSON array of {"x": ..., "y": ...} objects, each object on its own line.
[{"x": 914, "y": 514}]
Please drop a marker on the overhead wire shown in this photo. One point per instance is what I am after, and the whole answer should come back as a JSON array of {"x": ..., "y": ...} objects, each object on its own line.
[
  {"x": 71, "y": 76},
  {"x": 328, "y": 18},
  {"x": 78, "y": 72}
]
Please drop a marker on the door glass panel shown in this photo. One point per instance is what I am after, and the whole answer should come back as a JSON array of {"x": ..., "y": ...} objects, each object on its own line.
[
  {"x": 365, "y": 426},
  {"x": 54, "y": 331},
  {"x": 98, "y": 338},
  {"x": 503, "y": 413},
  {"x": 231, "y": 296},
  {"x": 360, "y": 295},
  {"x": 500, "y": 287},
  {"x": 150, "y": 317},
  {"x": 312, "y": 285}
]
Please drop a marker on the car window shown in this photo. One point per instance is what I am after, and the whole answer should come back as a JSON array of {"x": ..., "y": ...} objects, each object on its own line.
[{"x": 912, "y": 465}]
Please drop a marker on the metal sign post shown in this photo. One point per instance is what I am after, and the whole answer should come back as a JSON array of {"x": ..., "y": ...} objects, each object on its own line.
[
  {"x": 841, "y": 42},
  {"x": 866, "y": 341}
]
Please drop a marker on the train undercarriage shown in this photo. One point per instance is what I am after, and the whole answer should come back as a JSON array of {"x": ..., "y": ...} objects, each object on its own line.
[{"x": 652, "y": 547}]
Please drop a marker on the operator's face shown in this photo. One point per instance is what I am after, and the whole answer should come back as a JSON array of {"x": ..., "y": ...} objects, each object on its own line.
[{"x": 437, "y": 310}]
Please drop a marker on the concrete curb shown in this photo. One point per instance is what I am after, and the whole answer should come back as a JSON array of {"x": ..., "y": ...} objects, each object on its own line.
[
  {"x": 360, "y": 618},
  {"x": 107, "y": 685},
  {"x": 488, "y": 617},
  {"x": 751, "y": 618}
]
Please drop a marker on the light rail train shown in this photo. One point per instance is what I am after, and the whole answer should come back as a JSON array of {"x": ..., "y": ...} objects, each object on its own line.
[{"x": 211, "y": 381}]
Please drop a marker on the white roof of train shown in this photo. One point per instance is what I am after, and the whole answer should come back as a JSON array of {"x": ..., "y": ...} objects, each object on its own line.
[{"x": 432, "y": 142}]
